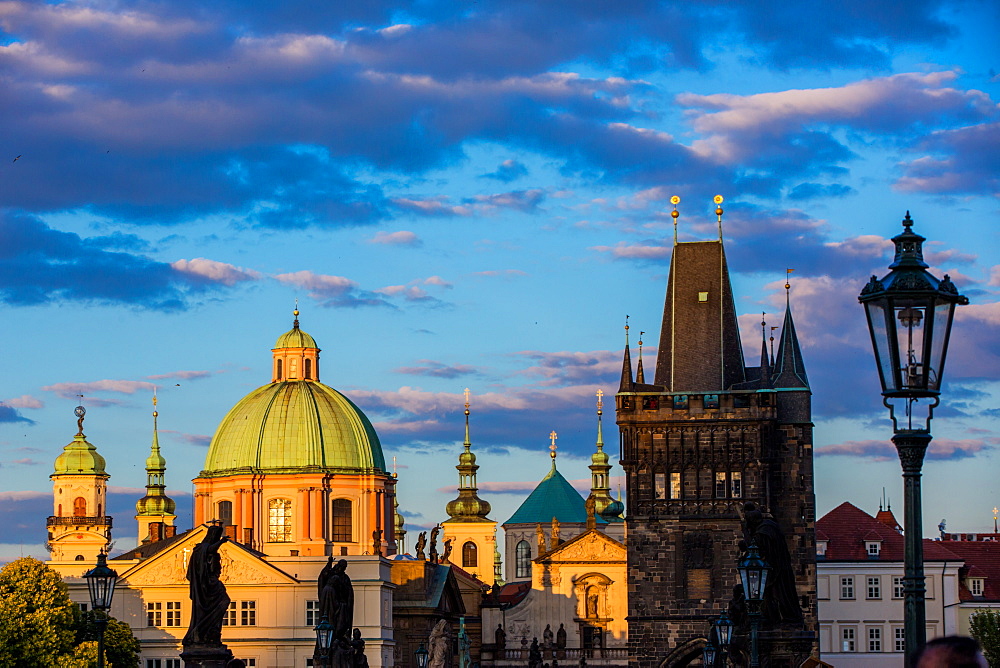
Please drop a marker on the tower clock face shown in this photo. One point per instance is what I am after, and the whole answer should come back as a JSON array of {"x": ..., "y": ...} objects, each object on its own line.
[{"x": 80, "y": 411}]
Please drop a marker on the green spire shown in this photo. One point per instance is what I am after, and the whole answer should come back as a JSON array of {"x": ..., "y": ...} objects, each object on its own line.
[
  {"x": 600, "y": 471},
  {"x": 156, "y": 502},
  {"x": 468, "y": 507},
  {"x": 497, "y": 563},
  {"x": 79, "y": 457}
]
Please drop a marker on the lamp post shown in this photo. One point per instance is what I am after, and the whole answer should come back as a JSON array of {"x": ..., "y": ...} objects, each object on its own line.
[
  {"x": 753, "y": 574},
  {"x": 909, "y": 314},
  {"x": 708, "y": 654},
  {"x": 723, "y": 628},
  {"x": 324, "y": 639},
  {"x": 101, "y": 582},
  {"x": 421, "y": 656}
]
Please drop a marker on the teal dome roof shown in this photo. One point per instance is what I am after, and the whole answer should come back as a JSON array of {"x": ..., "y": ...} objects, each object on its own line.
[
  {"x": 292, "y": 427},
  {"x": 553, "y": 497}
]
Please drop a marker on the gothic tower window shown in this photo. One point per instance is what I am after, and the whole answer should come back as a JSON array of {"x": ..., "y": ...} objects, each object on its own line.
[
  {"x": 342, "y": 521},
  {"x": 470, "y": 555},
  {"x": 522, "y": 559},
  {"x": 279, "y": 521},
  {"x": 278, "y": 369},
  {"x": 659, "y": 485},
  {"x": 225, "y": 512},
  {"x": 79, "y": 507}
]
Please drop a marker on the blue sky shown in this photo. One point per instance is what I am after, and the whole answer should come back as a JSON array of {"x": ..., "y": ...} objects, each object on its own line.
[{"x": 475, "y": 195}]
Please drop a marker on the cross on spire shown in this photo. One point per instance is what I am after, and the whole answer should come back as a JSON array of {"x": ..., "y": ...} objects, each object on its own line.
[
  {"x": 600, "y": 401},
  {"x": 467, "y": 394},
  {"x": 552, "y": 444}
]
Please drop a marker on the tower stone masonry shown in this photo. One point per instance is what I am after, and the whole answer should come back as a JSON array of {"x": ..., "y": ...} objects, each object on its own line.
[{"x": 708, "y": 436}]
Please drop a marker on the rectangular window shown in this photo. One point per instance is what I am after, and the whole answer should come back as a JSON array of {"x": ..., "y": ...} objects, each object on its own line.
[
  {"x": 154, "y": 613},
  {"x": 976, "y": 586},
  {"x": 154, "y": 663},
  {"x": 847, "y": 639},
  {"x": 248, "y": 613},
  {"x": 897, "y": 586},
  {"x": 720, "y": 485},
  {"x": 847, "y": 587},
  {"x": 736, "y": 484},
  {"x": 312, "y": 613},
  {"x": 309, "y": 662},
  {"x": 173, "y": 613},
  {"x": 675, "y": 485},
  {"x": 83, "y": 607},
  {"x": 230, "y": 618},
  {"x": 279, "y": 521},
  {"x": 873, "y": 547},
  {"x": 874, "y": 586},
  {"x": 172, "y": 663},
  {"x": 875, "y": 639},
  {"x": 899, "y": 639},
  {"x": 252, "y": 663},
  {"x": 659, "y": 486},
  {"x": 342, "y": 521}
]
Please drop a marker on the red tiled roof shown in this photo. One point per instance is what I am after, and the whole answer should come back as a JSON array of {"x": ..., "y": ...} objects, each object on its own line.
[
  {"x": 982, "y": 559},
  {"x": 887, "y": 518},
  {"x": 847, "y": 527}
]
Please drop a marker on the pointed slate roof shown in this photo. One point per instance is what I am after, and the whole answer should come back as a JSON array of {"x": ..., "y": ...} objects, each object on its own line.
[
  {"x": 552, "y": 497},
  {"x": 626, "y": 384},
  {"x": 700, "y": 348},
  {"x": 789, "y": 369}
]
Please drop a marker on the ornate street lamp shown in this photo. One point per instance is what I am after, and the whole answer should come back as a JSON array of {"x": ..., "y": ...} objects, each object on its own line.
[
  {"x": 753, "y": 574},
  {"x": 421, "y": 655},
  {"x": 708, "y": 655},
  {"x": 324, "y": 639},
  {"x": 910, "y": 314},
  {"x": 722, "y": 627},
  {"x": 101, "y": 582}
]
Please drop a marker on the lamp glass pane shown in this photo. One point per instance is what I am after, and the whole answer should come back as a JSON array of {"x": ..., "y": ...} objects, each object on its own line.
[
  {"x": 880, "y": 342},
  {"x": 939, "y": 331}
]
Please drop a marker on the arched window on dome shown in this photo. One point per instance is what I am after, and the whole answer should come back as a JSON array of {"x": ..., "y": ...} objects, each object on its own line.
[
  {"x": 277, "y": 369},
  {"x": 224, "y": 512},
  {"x": 79, "y": 507},
  {"x": 522, "y": 559},
  {"x": 308, "y": 369},
  {"x": 470, "y": 555},
  {"x": 343, "y": 525},
  {"x": 279, "y": 521}
]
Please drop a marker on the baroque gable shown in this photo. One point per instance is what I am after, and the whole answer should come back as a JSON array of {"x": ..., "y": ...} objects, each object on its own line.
[
  {"x": 590, "y": 546},
  {"x": 239, "y": 566}
]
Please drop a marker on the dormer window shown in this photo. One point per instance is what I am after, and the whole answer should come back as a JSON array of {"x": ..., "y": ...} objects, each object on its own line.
[
  {"x": 873, "y": 548},
  {"x": 976, "y": 586},
  {"x": 821, "y": 549}
]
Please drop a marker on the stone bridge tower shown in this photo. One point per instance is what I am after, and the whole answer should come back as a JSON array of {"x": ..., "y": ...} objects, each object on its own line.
[{"x": 709, "y": 435}]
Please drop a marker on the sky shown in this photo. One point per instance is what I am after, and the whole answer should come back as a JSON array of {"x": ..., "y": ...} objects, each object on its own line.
[{"x": 476, "y": 195}]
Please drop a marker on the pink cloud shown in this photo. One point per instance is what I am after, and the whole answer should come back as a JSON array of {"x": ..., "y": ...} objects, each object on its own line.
[
  {"x": 24, "y": 401},
  {"x": 400, "y": 238},
  {"x": 71, "y": 390},
  {"x": 622, "y": 250},
  {"x": 884, "y": 450},
  {"x": 215, "y": 272},
  {"x": 505, "y": 273}
]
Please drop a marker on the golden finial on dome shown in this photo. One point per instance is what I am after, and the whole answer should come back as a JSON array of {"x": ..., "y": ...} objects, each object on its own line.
[
  {"x": 788, "y": 284},
  {"x": 600, "y": 401},
  {"x": 718, "y": 212},
  {"x": 552, "y": 445},
  {"x": 155, "y": 414},
  {"x": 467, "y": 393},
  {"x": 675, "y": 200},
  {"x": 295, "y": 313}
]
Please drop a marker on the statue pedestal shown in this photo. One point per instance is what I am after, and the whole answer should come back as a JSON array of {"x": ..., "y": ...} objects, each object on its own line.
[{"x": 206, "y": 656}]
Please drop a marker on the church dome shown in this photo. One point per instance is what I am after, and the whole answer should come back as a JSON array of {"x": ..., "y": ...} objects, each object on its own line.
[
  {"x": 295, "y": 424},
  {"x": 291, "y": 427},
  {"x": 79, "y": 457},
  {"x": 155, "y": 504}
]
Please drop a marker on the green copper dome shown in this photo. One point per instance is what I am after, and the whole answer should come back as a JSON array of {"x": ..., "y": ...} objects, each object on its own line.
[
  {"x": 79, "y": 457},
  {"x": 295, "y": 338},
  {"x": 294, "y": 426}
]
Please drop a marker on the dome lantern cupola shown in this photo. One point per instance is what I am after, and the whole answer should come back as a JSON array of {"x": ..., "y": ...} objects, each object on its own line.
[
  {"x": 468, "y": 507},
  {"x": 156, "y": 506},
  {"x": 295, "y": 355}
]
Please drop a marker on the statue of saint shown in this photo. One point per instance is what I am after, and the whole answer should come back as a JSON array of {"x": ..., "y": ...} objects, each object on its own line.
[
  {"x": 447, "y": 550},
  {"x": 500, "y": 637},
  {"x": 547, "y": 637},
  {"x": 439, "y": 654},
  {"x": 421, "y": 543},
  {"x": 561, "y": 637},
  {"x": 781, "y": 603},
  {"x": 377, "y": 542},
  {"x": 540, "y": 535},
  {"x": 434, "y": 545},
  {"x": 336, "y": 598},
  {"x": 358, "y": 647},
  {"x": 555, "y": 532},
  {"x": 209, "y": 601}
]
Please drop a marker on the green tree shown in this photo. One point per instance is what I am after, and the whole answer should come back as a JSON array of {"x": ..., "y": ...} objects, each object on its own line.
[
  {"x": 121, "y": 647},
  {"x": 986, "y": 629},
  {"x": 37, "y": 617}
]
